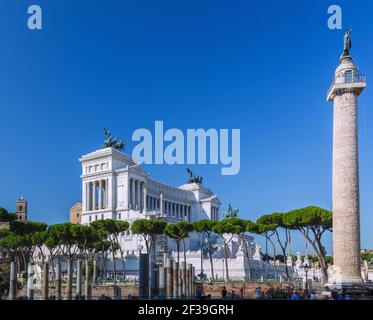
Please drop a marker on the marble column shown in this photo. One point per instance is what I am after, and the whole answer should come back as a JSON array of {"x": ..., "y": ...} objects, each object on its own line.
[
  {"x": 94, "y": 276},
  {"x": 169, "y": 277},
  {"x": 89, "y": 196},
  {"x": 344, "y": 93},
  {"x": 127, "y": 193},
  {"x": 106, "y": 193},
  {"x": 30, "y": 281},
  {"x": 100, "y": 194},
  {"x": 187, "y": 281},
  {"x": 183, "y": 278},
  {"x": 13, "y": 281},
  {"x": 175, "y": 280},
  {"x": 137, "y": 195},
  {"x": 193, "y": 281},
  {"x": 132, "y": 194},
  {"x": 161, "y": 282},
  {"x": 144, "y": 275},
  {"x": 69, "y": 286},
  {"x": 45, "y": 282},
  {"x": 142, "y": 205},
  {"x": 58, "y": 281},
  {"x": 78, "y": 290},
  {"x": 94, "y": 195},
  {"x": 161, "y": 203}
]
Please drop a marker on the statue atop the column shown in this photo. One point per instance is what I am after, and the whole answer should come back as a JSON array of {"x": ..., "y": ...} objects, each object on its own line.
[
  {"x": 193, "y": 178},
  {"x": 347, "y": 44},
  {"x": 111, "y": 142},
  {"x": 230, "y": 212}
]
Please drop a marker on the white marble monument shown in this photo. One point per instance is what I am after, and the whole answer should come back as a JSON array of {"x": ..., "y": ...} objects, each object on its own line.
[{"x": 346, "y": 87}]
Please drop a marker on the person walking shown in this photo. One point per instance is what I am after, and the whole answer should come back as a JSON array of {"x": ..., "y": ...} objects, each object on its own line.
[
  {"x": 258, "y": 293},
  {"x": 224, "y": 293},
  {"x": 313, "y": 295},
  {"x": 294, "y": 296}
]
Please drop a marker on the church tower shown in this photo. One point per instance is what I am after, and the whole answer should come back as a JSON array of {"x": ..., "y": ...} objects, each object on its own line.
[
  {"x": 21, "y": 209},
  {"x": 346, "y": 87}
]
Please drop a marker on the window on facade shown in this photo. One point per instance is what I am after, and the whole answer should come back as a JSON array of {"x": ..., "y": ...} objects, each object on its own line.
[
  {"x": 90, "y": 218},
  {"x": 96, "y": 217},
  {"x": 102, "y": 216},
  {"x": 348, "y": 76}
]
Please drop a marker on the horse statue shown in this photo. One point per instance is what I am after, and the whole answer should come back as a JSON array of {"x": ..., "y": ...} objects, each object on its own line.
[
  {"x": 193, "y": 178},
  {"x": 230, "y": 212},
  {"x": 111, "y": 142}
]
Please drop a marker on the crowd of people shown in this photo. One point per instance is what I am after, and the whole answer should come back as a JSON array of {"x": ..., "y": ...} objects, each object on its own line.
[{"x": 284, "y": 292}]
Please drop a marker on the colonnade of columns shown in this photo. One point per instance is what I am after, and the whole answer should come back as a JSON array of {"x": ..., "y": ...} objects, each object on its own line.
[
  {"x": 140, "y": 200},
  {"x": 177, "y": 210},
  {"x": 169, "y": 208},
  {"x": 214, "y": 213},
  {"x": 153, "y": 203},
  {"x": 172, "y": 280},
  {"x": 137, "y": 195},
  {"x": 97, "y": 195}
]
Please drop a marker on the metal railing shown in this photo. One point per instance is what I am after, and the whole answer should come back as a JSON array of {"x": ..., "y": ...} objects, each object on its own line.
[{"x": 346, "y": 79}]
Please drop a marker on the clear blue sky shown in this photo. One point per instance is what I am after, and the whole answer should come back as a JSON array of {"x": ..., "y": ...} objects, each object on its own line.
[{"x": 263, "y": 67}]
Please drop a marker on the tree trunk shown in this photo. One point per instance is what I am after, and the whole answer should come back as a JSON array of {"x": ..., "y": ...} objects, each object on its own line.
[
  {"x": 247, "y": 257},
  {"x": 201, "y": 248},
  {"x": 210, "y": 257},
  {"x": 104, "y": 271},
  {"x": 274, "y": 257},
  {"x": 123, "y": 265},
  {"x": 320, "y": 256},
  {"x": 178, "y": 251},
  {"x": 24, "y": 261},
  {"x": 53, "y": 270},
  {"x": 122, "y": 257},
  {"x": 114, "y": 265},
  {"x": 226, "y": 262},
  {"x": 322, "y": 261},
  {"x": 283, "y": 249},
  {"x": 184, "y": 251},
  {"x": 18, "y": 263}
]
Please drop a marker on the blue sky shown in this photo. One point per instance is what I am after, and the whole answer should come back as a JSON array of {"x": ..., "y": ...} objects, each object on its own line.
[{"x": 261, "y": 67}]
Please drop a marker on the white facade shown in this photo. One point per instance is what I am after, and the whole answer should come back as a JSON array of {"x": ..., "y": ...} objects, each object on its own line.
[
  {"x": 115, "y": 187},
  {"x": 238, "y": 264}
]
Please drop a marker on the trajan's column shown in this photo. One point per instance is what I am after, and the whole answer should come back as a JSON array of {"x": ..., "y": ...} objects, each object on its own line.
[{"x": 347, "y": 85}]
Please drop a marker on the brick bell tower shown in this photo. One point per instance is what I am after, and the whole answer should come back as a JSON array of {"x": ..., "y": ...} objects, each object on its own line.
[{"x": 21, "y": 209}]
